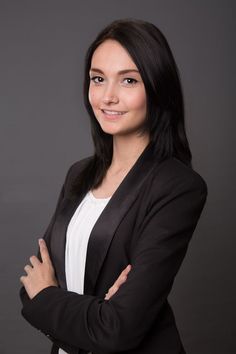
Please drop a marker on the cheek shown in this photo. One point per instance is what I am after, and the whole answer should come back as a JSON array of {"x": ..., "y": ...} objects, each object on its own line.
[
  {"x": 142, "y": 103},
  {"x": 137, "y": 101},
  {"x": 92, "y": 96}
]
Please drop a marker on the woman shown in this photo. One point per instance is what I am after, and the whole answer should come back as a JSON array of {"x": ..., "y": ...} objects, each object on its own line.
[{"x": 125, "y": 215}]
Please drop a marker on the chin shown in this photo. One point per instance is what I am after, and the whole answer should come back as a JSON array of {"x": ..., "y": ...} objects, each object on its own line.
[{"x": 109, "y": 129}]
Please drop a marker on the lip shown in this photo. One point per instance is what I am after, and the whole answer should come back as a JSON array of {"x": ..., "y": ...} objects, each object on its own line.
[
  {"x": 115, "y": 115},
  {"x": 111, "y": 110}
]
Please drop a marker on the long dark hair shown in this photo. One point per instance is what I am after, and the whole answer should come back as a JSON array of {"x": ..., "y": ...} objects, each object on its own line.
[{"x": 165, "y": 108}]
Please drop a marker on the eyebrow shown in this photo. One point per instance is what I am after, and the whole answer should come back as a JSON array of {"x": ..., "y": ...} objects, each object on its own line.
[{"x": 119, "y": 72}]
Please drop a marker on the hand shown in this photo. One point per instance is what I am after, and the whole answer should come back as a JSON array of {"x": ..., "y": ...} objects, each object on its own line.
[
  {"x": 40, "y": 275},
  {"x": 119, "y": 281}
]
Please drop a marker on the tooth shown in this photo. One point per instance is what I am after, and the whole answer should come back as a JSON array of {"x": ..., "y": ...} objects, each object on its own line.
[{"x": 112, "y": 112}]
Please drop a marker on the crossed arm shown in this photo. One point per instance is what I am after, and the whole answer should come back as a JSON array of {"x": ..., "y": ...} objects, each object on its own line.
[
  {"x": 121, "y": 323},
  {"x": 40, "y": 275}
]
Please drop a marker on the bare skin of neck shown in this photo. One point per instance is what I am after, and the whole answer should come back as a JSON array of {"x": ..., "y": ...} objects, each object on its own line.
[{"x": 126, "y": 151}]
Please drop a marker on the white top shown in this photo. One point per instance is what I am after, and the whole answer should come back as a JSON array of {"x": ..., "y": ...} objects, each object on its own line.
[{"x": 77, "y": 237}]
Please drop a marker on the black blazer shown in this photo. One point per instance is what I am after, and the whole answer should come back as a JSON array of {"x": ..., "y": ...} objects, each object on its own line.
[{"x": 148, "y": 223}]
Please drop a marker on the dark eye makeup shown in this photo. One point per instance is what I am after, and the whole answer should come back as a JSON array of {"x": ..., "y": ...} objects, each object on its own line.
[{"x": 130, "y": 80}]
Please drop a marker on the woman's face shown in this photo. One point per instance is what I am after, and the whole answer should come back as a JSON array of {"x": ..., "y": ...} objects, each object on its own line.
[{"x": 116, "y": 92}]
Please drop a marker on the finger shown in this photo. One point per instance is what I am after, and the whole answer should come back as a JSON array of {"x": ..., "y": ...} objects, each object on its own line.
[
  {"x": 123, "y": 275},
  {"x": 113, "y": 290},
  {"x": 122, "y": 278},
  {"x": 27, "y": 269},
  {"x": 34, "y": 261},
  {"x": 127, "y": 269},
  {"x": 109, "y": 294},
  {"x": 44, "y": 251},
  {"x": 125, "y": 272},
  {"x": 23, "y": 279},
  {"x": 119, "y": 281}
]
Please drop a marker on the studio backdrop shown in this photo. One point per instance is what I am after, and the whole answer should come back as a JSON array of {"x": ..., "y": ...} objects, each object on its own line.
[{"x": 45, "y": 128}]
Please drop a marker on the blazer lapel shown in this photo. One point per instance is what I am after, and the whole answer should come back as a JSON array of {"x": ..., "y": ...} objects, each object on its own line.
[
  {"x": 105, "y": 226},
  {"x": 104, "y": 229},
  {"x": 58, "y": 241}
]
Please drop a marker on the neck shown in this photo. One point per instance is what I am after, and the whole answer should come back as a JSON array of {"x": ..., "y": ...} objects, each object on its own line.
[{"x": 126, "y": 151}]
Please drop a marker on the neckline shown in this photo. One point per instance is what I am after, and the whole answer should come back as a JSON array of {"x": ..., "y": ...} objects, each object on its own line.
[
  {"x": 148, "y": 150},
  {"x": 97, "y": 199}
]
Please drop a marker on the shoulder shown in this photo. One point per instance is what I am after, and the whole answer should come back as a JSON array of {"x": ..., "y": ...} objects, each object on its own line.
[
  {"x": 79, "y": 165},
  {"x": 76, "y": 168},
  {"x": 173, "y": 174}
]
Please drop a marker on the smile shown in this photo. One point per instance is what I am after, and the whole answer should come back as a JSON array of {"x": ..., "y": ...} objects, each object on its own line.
[{"x": 112, "y": 113}]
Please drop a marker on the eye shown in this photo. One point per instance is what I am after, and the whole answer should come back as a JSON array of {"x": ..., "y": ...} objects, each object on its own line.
[
  {"x": 96, "y": 79},
  {"x": 131, "y": 81}
]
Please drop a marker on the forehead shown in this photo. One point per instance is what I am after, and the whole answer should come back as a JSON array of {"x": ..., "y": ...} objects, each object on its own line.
[{"x": 110, "y": 55}]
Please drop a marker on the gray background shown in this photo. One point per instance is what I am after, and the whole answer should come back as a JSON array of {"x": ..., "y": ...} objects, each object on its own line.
[{"x": 44, "y": 129}]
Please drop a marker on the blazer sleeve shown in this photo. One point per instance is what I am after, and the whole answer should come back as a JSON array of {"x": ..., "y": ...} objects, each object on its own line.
[
  {"x": 23, "y": 294},
  {"x": 121, "y": 323}
]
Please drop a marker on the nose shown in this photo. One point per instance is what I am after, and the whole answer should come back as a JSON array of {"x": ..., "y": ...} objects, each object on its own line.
[{"x": 110, "y": 96}]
